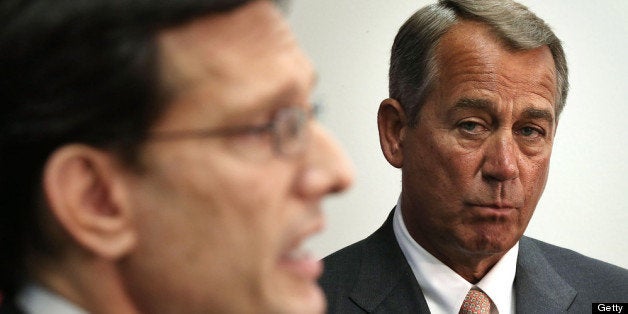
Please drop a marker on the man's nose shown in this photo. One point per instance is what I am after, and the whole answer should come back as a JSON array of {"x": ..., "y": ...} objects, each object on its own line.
[
  {"x": 501, "y": 157},
  {"x": 327, "y": 168}
]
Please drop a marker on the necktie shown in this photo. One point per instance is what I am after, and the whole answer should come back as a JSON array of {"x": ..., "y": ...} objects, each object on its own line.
[{"x": 476, "y": 302}]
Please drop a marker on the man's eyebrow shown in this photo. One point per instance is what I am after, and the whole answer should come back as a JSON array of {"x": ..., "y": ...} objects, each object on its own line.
[
  {"x": 472, "y": 103},
  {"x": 534, "y": 113},
  {"x": 487, "y": 105},
  {"x": 292, "y": 87},
  {"x": 289, "y": 90}
]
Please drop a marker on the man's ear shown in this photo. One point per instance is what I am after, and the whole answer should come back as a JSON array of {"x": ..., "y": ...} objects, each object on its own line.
[
  {"x": 85, "y": 191},
  {"x": 392, "y": 125}
]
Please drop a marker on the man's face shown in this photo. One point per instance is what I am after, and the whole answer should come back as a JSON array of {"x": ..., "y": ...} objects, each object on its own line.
[
  {"x": 476, "y": 164},
  {"x": 220, "y": 220}
]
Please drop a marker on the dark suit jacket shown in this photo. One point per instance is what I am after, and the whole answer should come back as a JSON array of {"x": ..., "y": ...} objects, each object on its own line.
[
  {"x": 8, "y": 307},
  {"x": 373, "y": 276}
]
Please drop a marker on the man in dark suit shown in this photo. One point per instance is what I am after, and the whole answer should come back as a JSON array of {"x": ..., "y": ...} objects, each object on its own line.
[
  {"x": 159, "y": 157},
  {"x": 476, "y": 89}
]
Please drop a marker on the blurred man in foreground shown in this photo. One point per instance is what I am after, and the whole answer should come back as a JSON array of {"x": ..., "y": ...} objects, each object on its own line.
[{"x": 159, "y": 157}]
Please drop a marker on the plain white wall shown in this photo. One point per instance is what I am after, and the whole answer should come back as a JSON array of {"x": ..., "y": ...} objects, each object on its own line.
[{"x": 585, "y": 204}]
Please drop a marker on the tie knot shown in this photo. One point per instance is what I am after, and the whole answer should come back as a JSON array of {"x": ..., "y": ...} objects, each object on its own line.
[{"x": 476, "y": 302}]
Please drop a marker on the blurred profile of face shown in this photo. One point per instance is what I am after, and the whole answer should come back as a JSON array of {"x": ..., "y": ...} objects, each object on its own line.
[
  {"x": 221, "y": 220},
  {"x": 476, "y": 164}
]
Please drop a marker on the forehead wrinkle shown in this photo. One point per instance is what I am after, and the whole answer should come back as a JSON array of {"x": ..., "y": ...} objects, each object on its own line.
[
  {"x": 539, "y": 75},
  {"x": 540, "y": 88},
  {"x": 455, "y": 63},
  {"x": 470, "y": 52}
]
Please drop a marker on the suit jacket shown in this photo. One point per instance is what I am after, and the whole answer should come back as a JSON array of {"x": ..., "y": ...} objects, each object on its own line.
[
  {"x": 373, "y": 276},
  {"x": 8, "y": 307}
]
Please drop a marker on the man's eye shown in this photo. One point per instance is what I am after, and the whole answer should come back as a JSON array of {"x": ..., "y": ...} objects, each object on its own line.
[
  {"x": 529, "y": 131},
  {"x": 471, "y": 127}
]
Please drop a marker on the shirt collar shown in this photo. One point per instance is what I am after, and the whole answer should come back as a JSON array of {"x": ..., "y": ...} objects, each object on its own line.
[
  {"x": 34, "y": 298},
  {"x": 444, "y": 289},
  {"x": 498, "y": 282}
]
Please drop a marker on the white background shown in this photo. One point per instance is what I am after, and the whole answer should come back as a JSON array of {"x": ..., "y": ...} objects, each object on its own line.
[{"x": 585, "y": 204}]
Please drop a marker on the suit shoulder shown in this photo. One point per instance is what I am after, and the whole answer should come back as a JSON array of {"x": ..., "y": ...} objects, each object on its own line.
[
  {"x": 343, "y": 264},
  {"x": 348, "y": 253},
  {"x": 562, "y": 256},
  {"x": 583, "y": 271}
]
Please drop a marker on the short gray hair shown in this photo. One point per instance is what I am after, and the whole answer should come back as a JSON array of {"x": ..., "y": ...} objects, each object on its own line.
[{"x": 413, "y": 64}]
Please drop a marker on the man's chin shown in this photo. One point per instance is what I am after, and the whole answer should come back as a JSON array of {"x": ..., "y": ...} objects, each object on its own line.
[
  {"x": 313, "y": 302},
  {"x": 487, "y": 246},
  {"x": 295, "y": 283},
  {"x": 305, "y": 299}
]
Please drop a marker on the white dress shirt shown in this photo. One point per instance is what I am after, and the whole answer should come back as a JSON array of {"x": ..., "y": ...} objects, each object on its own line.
[
  {"x": 35, "y": 299},
  {"x": 444, "y": 289}
]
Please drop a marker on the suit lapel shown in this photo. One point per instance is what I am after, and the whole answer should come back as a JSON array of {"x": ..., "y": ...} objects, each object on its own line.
[
  {"x": 539, "y": 288},
  {"x": 386, "y": 283}
]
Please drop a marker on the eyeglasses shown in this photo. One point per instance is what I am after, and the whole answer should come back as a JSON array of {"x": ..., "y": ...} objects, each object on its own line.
[{"x": 287, "y": 129}]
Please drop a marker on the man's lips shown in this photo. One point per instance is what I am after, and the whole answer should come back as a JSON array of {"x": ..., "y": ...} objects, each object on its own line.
[
  {"x": 493, "y": 202},
  {"x": 495, "y": 206},
  {"x": 299, "y": 261}
]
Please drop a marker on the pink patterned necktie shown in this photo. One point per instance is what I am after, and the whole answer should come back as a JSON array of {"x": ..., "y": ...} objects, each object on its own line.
[{"x": 476, "y": 302}]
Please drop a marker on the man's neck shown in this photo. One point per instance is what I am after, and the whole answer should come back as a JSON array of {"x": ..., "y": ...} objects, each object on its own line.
[
  {"x": 472, "y": 266},
  {"x": 87, "y": 283}
]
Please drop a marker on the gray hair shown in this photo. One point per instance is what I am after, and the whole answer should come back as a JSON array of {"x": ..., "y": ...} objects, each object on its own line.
[{"x": 413, "y": 65}]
